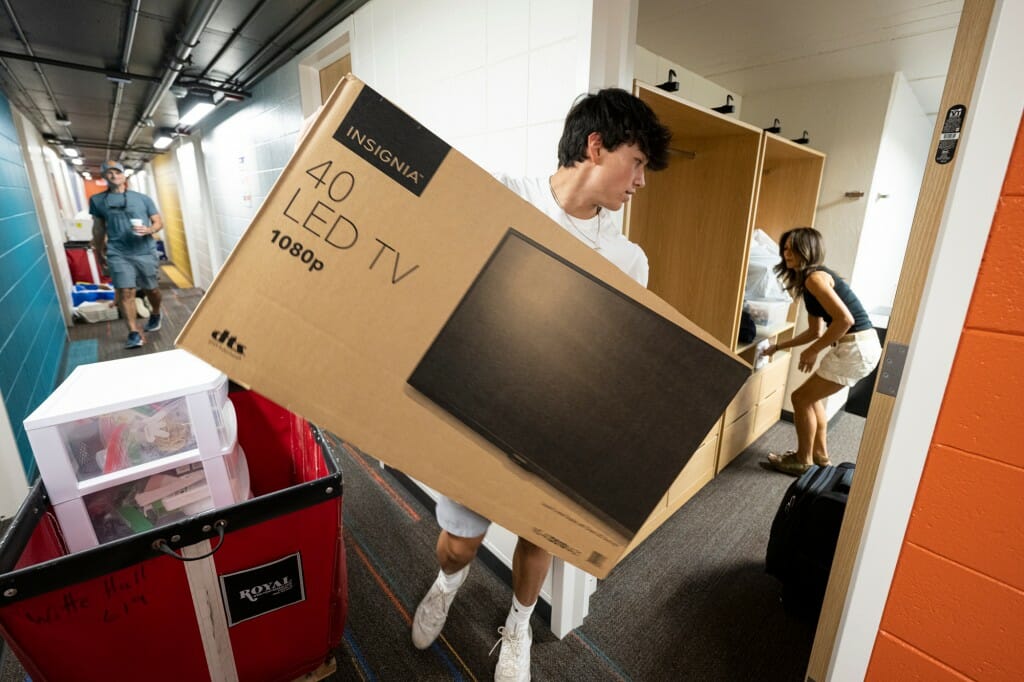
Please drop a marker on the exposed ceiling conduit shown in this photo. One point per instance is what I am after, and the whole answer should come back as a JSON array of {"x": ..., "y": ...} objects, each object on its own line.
[
  {"x": 60, "y": 113},
  {"x": 129, "y": 40},
  {"x": 266, "y": 47},
  {"x": 339, "y": 13},
  {"x": 231, "y": 39},
  {"x": 186, "y": 43}
]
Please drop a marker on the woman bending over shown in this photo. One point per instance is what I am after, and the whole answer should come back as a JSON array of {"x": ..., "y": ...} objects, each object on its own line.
[{"x": 837, "y": 324}]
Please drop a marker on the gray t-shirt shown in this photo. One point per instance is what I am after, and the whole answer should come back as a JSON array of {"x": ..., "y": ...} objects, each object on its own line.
[{"x": 118, "y": 209}]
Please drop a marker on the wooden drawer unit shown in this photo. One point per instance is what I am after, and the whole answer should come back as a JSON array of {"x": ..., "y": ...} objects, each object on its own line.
[
  {"x": 735, "y": 438},
  {"x": 768, "y": 411},
  {"x": 694, "y": 476},
  {"x": 745, "y": 400},
  {"x": 699, "y": 470},
  {"x": 773, "y": 376}
]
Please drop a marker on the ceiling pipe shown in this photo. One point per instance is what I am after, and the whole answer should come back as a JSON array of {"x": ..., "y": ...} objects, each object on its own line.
[
  {"x": 231, "y": 39},
  {"x": 186, "y": 43},
  {"x": 266, "y": 47},
  {"x": 129, "y": 40},
  {"x": 60, "y": 113},
  {"x": 331, "y": 18},
  {"x": 124, "y": 75}
]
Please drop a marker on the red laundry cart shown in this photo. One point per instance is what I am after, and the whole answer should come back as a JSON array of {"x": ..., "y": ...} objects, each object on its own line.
[{"x": 254, "y": 591}]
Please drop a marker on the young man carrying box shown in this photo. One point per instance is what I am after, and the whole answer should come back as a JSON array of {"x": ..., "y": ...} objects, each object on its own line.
[{"x": 609, "y": 140}]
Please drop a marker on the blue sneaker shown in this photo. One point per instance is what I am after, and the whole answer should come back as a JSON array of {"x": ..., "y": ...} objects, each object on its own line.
[
  {"x": 152, "y": 324},
  {"x": 134, "y": 340}
]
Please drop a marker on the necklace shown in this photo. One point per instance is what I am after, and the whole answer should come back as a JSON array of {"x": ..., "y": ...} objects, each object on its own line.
[{"x": 596, "y": 243}]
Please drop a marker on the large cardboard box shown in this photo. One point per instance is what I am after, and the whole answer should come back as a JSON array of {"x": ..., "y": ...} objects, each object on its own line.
[{"x": 356, "y": 266}]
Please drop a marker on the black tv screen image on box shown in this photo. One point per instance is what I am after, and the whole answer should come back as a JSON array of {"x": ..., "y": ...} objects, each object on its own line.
[{"x": 579, "y": 383}]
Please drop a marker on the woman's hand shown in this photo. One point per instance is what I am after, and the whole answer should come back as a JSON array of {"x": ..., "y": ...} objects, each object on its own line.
[
  {"x": 771, "y": 350},
  {"x": 807, "y": 359}
]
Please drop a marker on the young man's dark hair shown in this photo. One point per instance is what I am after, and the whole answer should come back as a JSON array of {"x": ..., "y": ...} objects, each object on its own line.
[{"x": 620, "y": 118}]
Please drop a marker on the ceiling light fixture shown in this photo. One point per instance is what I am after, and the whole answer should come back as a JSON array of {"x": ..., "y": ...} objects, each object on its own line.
[
  {"x": 194, "y": 106},
  {"x": 70, "y": 152},
  {"x": 163, "y": 138},
  {"x": 77, "y": 162}
]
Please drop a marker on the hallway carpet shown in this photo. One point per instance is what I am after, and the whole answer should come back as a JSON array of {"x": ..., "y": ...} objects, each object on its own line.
[{"x": 691, "y": 603}]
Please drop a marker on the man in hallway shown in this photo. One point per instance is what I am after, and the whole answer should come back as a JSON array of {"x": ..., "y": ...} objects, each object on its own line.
[{"x": 124, "y": 223}]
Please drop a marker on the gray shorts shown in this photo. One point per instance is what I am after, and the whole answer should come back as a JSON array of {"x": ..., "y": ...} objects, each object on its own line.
[
  {"x": 458, "y": 520},
  {"x": 137, "y": 271}
]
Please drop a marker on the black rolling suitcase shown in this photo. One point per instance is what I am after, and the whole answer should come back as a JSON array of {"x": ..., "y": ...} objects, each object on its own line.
[{"x": 804, "y": 535}]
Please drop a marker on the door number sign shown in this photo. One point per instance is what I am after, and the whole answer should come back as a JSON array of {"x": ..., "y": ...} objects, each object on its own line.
[{"x": 950, "y": 135}]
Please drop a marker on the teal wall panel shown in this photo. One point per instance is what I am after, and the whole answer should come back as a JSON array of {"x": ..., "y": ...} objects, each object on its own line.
[{"x": 32, "y": 332}]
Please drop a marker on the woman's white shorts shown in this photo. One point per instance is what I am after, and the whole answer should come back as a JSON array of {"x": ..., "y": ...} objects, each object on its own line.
[{"x": 851, "y": 359}]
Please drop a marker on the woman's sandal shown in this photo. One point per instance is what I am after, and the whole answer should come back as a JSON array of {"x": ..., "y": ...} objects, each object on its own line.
[{"x": 787, "y": 463}]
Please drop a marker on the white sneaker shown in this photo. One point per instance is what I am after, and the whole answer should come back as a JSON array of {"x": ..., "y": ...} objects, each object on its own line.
[
  {"x": 514, "y": 659},
  {"x": 430, "y": 616}
]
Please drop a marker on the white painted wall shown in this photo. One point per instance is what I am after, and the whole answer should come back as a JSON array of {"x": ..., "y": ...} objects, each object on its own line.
[
  {"x": 13, "y": 484},
  {"x": 494, "y": 79},
  {"x": 845, "y": 120},
  {"x": 892, "y": 199},
  {"x": 52, "y": 198},
  {"x": 653, "y": 69}
]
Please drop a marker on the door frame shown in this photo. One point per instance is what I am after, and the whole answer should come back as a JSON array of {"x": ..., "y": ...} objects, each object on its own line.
[{"x": 953, "y": 216}]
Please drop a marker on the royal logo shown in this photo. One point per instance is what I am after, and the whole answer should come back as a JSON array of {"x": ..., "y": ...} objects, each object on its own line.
[
  {"x": 225, "y": 341},
  {"x": 266, "y": 589},
  {"x": 259, "y": 590}
]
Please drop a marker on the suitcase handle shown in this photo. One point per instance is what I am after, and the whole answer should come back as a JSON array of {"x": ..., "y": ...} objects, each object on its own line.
[{"x": 161, "y": 545}]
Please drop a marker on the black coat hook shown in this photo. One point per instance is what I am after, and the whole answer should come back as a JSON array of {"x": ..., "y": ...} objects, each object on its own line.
[
  {"x": 671, "y": 85},
  {"x": 775, "y": 127},
  {"x": 726, "y": 108},
  {"x": 803, "y": 139}
]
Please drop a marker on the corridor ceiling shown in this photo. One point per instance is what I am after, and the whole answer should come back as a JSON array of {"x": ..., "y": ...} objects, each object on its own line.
[{"x": 103, "y": 75}]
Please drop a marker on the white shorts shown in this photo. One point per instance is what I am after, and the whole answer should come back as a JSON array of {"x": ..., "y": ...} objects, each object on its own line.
[
  {"x": 458, "y": 520},
  {"x": 850, "y": 360}
]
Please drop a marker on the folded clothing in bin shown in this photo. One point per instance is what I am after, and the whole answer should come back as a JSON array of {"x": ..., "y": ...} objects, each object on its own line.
[
  {"x": 84, "y": 291},
  {"x": 288, "y": 535}
]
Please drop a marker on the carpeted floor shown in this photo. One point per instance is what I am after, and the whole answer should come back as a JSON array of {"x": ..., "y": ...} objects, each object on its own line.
[{"x": 691, "y": 603}]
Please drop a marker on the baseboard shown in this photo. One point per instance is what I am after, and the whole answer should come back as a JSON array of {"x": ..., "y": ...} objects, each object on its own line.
[{"x": 497, "y": 566}]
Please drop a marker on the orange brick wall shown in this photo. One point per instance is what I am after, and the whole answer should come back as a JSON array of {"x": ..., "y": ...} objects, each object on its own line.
[{"x": 956, "y": 607}]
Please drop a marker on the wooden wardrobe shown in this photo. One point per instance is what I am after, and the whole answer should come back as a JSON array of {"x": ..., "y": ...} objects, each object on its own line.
[{"x": 695, "y": 220}]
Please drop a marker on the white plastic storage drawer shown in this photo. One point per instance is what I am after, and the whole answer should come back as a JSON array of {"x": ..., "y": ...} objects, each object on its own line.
[
  {"x": 157, "y": 499},
  {"x": 119, "y": 420}
]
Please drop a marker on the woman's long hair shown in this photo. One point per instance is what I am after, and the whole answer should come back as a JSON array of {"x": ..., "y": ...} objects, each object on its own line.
[{"x": 805, "y": 242}]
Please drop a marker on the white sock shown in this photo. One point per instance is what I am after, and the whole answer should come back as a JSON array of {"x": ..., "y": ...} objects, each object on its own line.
[
  {"x": 451, "y": 583},
  {"x": 519, "y": 615}
]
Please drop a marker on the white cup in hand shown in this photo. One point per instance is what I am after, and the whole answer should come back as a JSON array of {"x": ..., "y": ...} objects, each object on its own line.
[{"x": 138, "y": 227}]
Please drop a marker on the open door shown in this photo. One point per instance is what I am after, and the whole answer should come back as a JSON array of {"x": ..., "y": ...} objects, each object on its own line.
[{"x": 960, "y": 85}]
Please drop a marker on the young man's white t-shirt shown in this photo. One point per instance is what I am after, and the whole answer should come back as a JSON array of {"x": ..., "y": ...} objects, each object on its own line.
[{"x": 600, "y": 230}]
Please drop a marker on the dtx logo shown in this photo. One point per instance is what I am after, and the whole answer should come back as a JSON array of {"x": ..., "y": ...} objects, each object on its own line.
[{"x": 224, "y": 340}]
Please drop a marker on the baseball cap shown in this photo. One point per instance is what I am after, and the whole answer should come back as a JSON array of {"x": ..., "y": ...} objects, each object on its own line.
[{"x": 107, "y": 165}]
